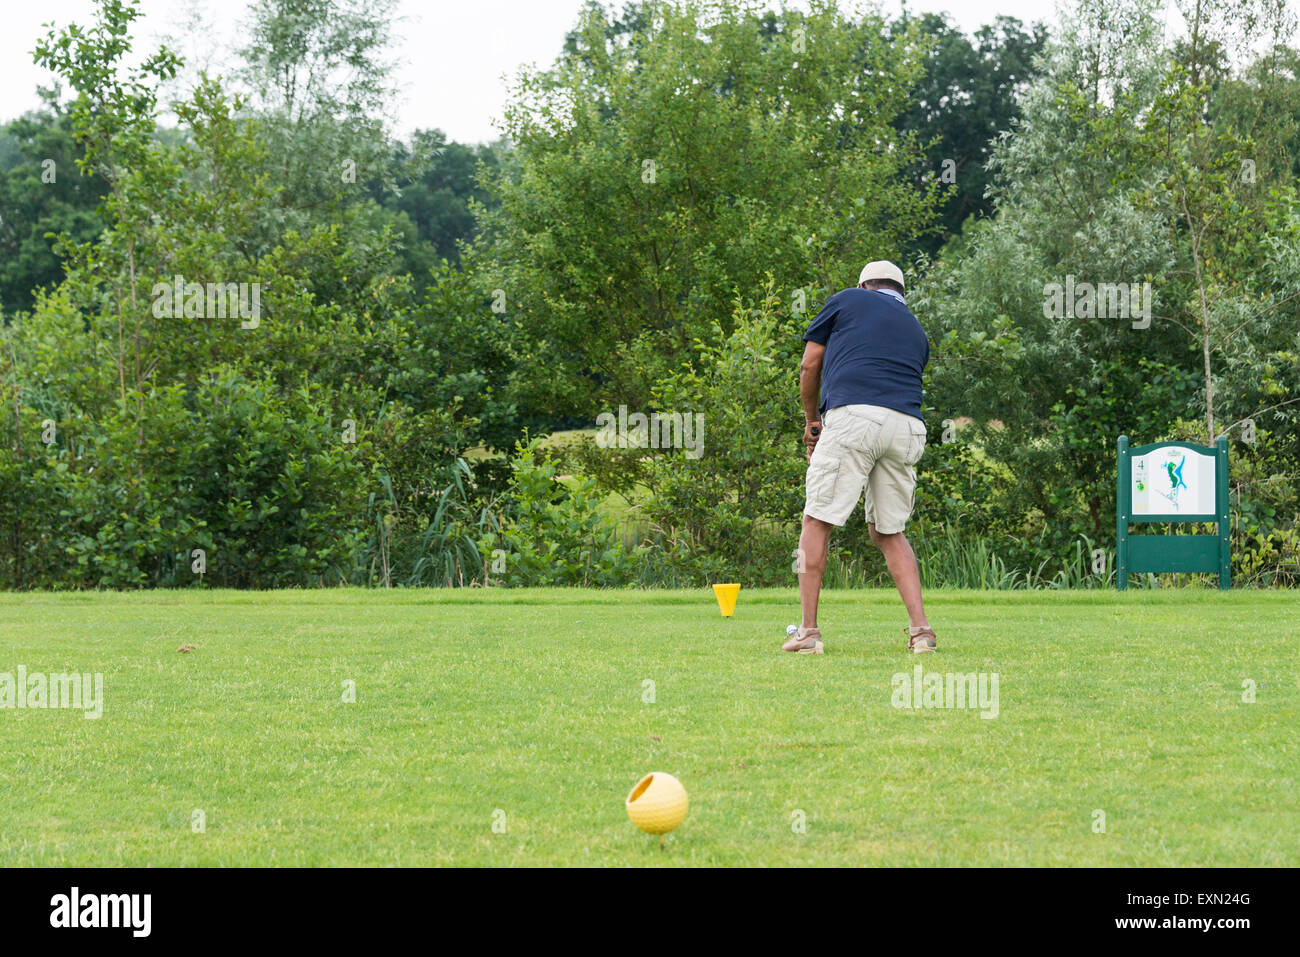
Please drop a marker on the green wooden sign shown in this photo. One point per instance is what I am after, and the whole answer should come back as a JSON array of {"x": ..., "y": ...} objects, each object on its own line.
[{"x": 1172, "y": 482}]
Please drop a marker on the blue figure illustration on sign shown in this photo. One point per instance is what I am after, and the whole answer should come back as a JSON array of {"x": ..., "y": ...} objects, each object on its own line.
[
  {"x": 1175, "y": 479},
  {"x": 1176, "y": 474}
]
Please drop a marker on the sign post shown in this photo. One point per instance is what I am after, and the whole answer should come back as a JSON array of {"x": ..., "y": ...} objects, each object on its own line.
[{"x": 1172, "y": 482}]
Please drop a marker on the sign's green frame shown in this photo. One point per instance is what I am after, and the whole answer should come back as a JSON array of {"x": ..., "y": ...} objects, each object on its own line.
[{"x": 1139, "y": 554}]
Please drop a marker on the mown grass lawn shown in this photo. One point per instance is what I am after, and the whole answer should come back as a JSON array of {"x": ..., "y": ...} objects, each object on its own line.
[{"x": 528, "y": 709}]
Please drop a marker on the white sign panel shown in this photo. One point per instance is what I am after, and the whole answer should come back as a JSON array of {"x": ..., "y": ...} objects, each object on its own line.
[{"x": 1173, "y": 481}]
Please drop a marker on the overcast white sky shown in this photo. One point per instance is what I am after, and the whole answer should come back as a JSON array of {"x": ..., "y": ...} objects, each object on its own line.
[{"x": 456, "y": 56}]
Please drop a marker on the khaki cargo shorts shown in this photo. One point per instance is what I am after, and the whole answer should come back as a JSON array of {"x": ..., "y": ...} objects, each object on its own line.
[{"x": 871, "y": 447}]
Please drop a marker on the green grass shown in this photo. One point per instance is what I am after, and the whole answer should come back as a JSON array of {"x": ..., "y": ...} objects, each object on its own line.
[{"x": 531, "y": 702}]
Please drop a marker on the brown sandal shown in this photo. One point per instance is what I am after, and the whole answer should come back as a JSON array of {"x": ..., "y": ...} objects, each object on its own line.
[
  {"x": 806, "y": 641},
  {"x": 921, "y": 640}
]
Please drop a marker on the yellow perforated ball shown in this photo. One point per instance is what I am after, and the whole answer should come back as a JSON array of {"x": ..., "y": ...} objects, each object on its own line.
[{"x": 658, "y": 803}]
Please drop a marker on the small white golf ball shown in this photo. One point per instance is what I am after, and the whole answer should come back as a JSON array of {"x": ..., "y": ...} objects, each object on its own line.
[{"x": 791, "y": 629}]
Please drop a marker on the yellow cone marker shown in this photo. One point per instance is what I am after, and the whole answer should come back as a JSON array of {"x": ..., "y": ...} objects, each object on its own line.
[
  {"x": 726, "y": 598},
  {"x": 657, "y": 804}
]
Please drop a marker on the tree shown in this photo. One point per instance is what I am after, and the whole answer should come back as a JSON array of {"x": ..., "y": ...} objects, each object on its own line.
[
  {"x": 165, "y": 424},
  {"x": 963, "y": 101},
  {"x": 42, "y": 196},
  {"x": 1206, "y": 189},
  {"x": 1121, "y": 173},
  {"x": 1005, "y": 358},
  {"x": 655, "y": 173},
  {"x": 320, "y": 84},
  {"x": 435, "y": 186}
]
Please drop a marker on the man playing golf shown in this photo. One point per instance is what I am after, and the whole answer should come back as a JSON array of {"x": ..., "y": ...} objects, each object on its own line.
[{"x": 864, "y": 356}]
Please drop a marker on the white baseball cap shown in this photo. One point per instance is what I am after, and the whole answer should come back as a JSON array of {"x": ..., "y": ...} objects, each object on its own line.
[{"x": 881, "y": 269}]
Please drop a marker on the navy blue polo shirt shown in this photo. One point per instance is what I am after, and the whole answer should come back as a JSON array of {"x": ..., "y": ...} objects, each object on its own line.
[{"x": 875, "y": 351}]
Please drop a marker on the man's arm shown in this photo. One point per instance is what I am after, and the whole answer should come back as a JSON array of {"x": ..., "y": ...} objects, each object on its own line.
[{"x": 810, "y": 387}]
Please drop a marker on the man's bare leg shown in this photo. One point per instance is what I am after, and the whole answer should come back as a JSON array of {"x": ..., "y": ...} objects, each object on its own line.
[
  {"x": 903, "y": 568},
  {"x": 813, "y": 545}
]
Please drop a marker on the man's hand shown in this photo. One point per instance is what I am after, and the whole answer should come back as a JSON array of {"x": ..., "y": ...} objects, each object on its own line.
[
  {"x": 810, "y": 385},
  {"x": 811, "y": 432}
]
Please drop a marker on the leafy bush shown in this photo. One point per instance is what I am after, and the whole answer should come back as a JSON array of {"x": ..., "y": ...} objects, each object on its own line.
[
  {"x": 552, "y": 531},
  {"x": 261, "y": 481},
  {"x": 733, "y": 512}
]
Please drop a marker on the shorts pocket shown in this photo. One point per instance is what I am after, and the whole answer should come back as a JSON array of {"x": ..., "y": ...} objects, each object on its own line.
[
  {"x": 916, "y": 442},
  {"x": 821, "y": 482}
]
